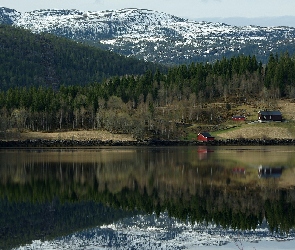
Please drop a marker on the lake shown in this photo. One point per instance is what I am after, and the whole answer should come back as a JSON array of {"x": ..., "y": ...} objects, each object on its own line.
[{"x": 186, "y": 197}]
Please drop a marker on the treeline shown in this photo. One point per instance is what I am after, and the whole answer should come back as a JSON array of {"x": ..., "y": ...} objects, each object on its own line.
[
  {"x": 28, "y": 59},
  {"x": 153, "y": 104}
]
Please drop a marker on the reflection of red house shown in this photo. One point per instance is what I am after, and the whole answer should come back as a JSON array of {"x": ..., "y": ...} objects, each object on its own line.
[
  {"x": 205, "y": 136},
  {"x": 203, "y": 152},
  {"x": 239, "y": 171},
  {"x": 238, "y": 118}
]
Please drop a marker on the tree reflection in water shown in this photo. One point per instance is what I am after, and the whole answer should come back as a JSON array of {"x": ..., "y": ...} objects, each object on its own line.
[{"x": 47, "y": 194}]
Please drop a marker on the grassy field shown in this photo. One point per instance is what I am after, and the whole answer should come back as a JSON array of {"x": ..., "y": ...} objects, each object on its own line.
[
  {"x": 251, "y": 128},
  {"x": 73, "y": 135},
  {"x": 256, "y": 130}
]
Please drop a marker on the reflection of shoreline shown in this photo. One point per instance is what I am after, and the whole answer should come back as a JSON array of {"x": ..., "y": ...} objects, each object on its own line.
[{"x": 164, "y": 168}]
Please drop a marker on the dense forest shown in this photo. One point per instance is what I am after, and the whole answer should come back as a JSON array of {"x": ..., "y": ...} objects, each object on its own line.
[
  {"x": 154, "y": 104},
  {"x": 28, "y": 59}
]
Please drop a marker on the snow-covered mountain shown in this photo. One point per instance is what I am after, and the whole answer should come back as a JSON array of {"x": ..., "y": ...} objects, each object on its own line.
[{"x": 155, "y": 36}]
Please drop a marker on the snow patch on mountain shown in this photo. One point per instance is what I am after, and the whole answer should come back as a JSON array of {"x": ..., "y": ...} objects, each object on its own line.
[
  {"x": 9, "y": 16},
  {"x": 137, "y": 32}
]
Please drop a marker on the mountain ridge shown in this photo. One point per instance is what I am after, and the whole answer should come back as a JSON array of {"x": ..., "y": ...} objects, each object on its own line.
[
  {"x": 268, "y": 21},
  {"x": 156, "y": 36}
]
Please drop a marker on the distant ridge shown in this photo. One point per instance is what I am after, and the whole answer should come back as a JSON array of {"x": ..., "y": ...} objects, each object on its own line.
[
  {"x": 288, "y": 21},
  {"x": 155, "y": 36}
]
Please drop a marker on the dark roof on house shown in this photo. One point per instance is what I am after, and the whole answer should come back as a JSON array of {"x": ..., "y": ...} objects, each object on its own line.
[
  {"x": 270, "y": 112},
  {"x": 206, "y": 134}
]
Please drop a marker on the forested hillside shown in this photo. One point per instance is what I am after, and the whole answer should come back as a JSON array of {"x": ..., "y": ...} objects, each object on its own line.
[
  {"x": 157, "y": 105},
  {"x": 28, "y": 59}
]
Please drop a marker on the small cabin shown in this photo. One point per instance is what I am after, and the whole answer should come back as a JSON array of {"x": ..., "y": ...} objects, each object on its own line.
[
  {"x": 238, "y": 118},
  {"x": 269, "y": 172},
  {"x": 265, "y": 116},
  {"x": 205, "y": 136}
]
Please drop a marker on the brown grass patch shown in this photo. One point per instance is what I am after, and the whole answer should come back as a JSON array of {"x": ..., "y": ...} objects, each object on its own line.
[{"x": 77, "y": 135}]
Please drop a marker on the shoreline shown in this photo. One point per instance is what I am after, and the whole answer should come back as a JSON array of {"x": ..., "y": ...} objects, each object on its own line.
[{"x": 50, "y": 143}]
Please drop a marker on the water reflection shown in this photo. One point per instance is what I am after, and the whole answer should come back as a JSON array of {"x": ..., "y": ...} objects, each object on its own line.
[
  {"x": 159, "y": 232},
  {"x": 63, "y": 191},
  {"x": 269, "y": 172}
]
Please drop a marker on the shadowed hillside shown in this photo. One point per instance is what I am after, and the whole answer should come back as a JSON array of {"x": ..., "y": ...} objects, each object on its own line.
[{"x": 28, "y": 59}]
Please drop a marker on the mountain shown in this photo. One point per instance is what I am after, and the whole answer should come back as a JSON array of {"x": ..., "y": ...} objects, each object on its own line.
[{"x": 155, "y": 36}]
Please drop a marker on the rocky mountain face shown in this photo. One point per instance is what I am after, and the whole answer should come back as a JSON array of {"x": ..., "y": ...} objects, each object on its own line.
[{"x": 154, "y": 36}]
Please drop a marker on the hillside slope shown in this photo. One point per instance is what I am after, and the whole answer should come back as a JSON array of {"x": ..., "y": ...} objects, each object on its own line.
[{"x": 28, "y": 59}]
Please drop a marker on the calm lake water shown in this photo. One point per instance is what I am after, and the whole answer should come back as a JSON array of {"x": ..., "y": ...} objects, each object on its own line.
[{"x": 148, "y": 198}]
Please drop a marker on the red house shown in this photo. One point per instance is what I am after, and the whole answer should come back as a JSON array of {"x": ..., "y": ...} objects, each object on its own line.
[
  {"x": 205, "y": 136},
  {"x": 238, "y": 118}
]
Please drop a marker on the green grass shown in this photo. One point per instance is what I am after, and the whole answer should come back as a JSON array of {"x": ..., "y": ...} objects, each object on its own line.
[{"x": 191, "y": 136}]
